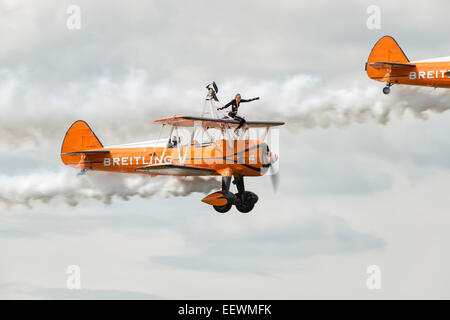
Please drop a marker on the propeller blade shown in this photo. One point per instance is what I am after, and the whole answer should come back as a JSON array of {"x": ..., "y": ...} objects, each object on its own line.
[{"x": 274, "y": 175}]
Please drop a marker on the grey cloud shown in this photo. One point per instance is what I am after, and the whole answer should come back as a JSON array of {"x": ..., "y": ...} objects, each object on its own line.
[
  {"x": 406, "y": 143},
  {"x": 17, "y": 233},
  {"x": 261, "y": 251},
  {"x": 124, "y": 216},
  {"x": 192, "y": 42},
  {"x": 24, "y": 291},
  {"x": 336, "y": 175},
  {"x": 89, "y": 294}
]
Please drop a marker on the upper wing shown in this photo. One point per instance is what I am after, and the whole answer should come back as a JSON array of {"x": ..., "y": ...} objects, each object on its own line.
[
  {"x": 188, "y": 121},
  {"x": 176, "y": 170},
  {"x": 391, "y": 65}
]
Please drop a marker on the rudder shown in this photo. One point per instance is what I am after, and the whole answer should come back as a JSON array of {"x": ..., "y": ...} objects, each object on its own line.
[
  {"x": 80, "y": 137},
  {"x": 385, "y": 50}
]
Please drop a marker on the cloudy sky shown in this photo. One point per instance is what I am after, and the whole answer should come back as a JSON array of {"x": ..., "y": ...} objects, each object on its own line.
[{"x": 364, "y": 177}]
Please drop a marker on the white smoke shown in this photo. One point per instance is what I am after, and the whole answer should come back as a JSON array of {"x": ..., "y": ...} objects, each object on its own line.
[
  {"x": 105, "y": 187},
  {"x": 307, "y": 102},
  {"x": 122, "y": 110}
]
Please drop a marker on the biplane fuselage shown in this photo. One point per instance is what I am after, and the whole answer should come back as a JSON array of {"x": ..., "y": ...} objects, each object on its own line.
[
  {"x": 222, "y": 157},
  {"x": 430, "y": 73},
  {"x": 388, "y": 63}
]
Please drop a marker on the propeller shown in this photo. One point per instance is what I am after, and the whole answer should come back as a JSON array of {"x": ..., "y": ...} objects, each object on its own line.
[{"x": 274, "y": 171}]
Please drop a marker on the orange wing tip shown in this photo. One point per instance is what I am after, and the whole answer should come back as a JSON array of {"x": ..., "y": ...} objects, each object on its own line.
[{"x": 215, "y": 199}]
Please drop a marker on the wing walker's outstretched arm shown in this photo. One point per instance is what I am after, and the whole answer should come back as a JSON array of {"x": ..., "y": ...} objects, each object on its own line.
[
  {"x": 249, "y": 100},
  {"x": 233, "y": 102}
]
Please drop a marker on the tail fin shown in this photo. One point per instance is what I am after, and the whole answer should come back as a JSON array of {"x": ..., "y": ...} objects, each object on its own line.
[
  {"x": 80, "y": 137},
  {"x": 385, "y": 50}
]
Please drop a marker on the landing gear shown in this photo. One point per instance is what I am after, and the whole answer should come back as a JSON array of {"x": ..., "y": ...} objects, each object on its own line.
[
  {"x": 225, "y": 208},
  {"x": 387, "y": 89},
  {"x": 82, "y": 172},
  {"x": 229, "y": 197},
  {"x": 223, "y": 200},
  {"x": 245, "y": 200}
]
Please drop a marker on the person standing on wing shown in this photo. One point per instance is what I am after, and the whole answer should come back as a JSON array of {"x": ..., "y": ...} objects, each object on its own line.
[{"x": 234, "y": 109}]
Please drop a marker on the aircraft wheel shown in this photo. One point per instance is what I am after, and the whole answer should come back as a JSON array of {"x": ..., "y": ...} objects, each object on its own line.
[
  {"x": 246, "y": 203},
  {"x": 223, "y": 209},
  {"x": 386, "y": 90},
  {"x": 231, "y": 199}
]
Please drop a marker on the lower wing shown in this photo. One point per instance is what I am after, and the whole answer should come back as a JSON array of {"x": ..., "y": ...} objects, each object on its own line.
[{"x": 176, "y": 170}]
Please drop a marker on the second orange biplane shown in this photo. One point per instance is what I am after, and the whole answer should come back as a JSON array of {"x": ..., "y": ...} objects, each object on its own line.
[
  {"x": 225, "y": 154},
  {"x": 388, "y": 63}
]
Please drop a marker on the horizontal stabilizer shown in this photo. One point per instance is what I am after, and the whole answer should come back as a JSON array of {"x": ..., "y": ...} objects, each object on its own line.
[
  {"x": 86, "y": 152},
  {"x": 391, "y": 65},
  {"x": 176, "y": 170}
]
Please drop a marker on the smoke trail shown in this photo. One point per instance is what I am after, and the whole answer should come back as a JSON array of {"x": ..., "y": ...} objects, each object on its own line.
[
  {"x": 65, "y": 185},
  {"x": 307, "y": 102},
  {"x": 122, "y": 110}
]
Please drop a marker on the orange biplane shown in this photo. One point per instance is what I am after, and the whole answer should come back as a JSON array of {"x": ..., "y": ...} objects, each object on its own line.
[
  {"x": 388, "y": 63},
  {"x": 220, "y": 152}
]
